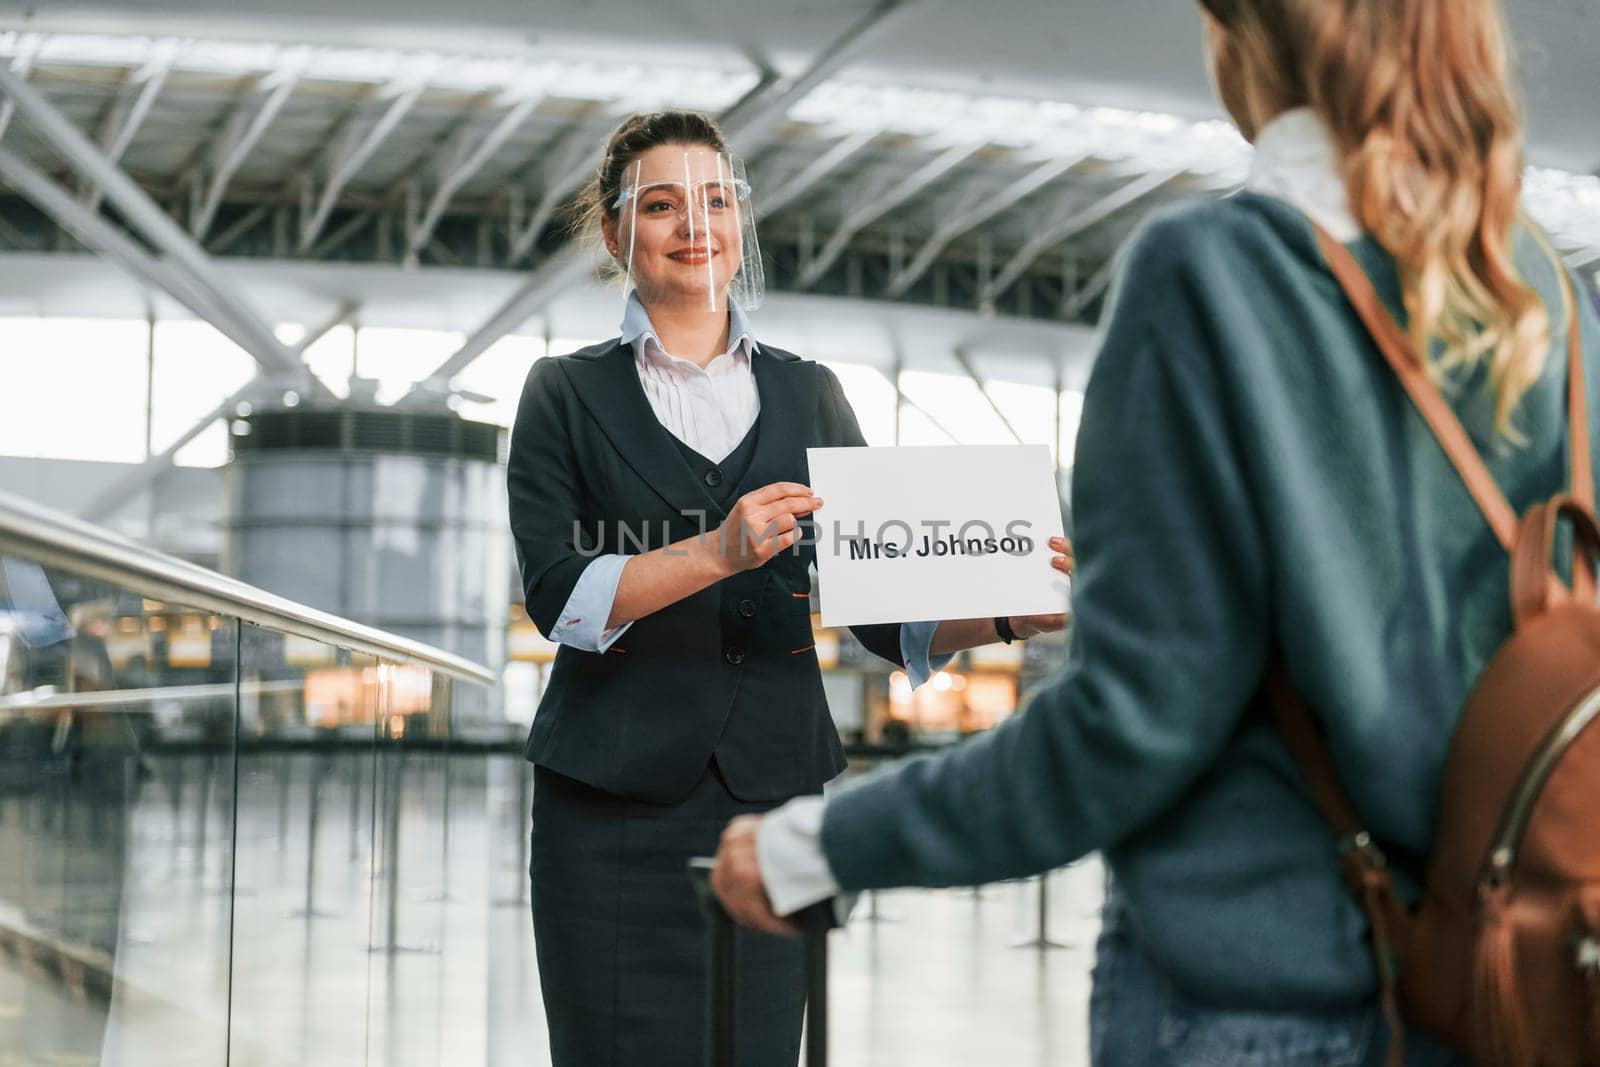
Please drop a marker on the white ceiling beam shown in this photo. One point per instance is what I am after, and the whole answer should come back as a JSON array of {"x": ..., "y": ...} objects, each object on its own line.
[
  {"x": 880, "y": 203},
  {"x": 134, "y": 102},
  {"x": 972, "y": 372},
  {"x": 341, "y": 315},
  {"x": 463, "y": 160},
  {"x": 97, "y": 233},
  {"x": 820, "y": 167},
  {"x": 963, "y": 222},
  {"x": 1074, "y": 222},
  {"x": 187, "y": 261},
  {"x": 238, "y": 228},
  {"x": 575, "y": 161},
  {"x": 244, "y": 129},
  {"x": 22, "y": 64},
  {"x": 752, "y": 119},
  {"x": 906, "y": 401},
  {"x": 348, "y": 229},
  {"x": 126, "y": 488},
  {"x": 545, "y": 282},
  {"x": 746, "y": 126},
  {"x": 1097, "y": 284},
  {"x": 344, "y": 160}
]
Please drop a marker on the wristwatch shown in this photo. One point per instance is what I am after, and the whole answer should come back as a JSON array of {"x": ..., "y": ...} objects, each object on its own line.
[{"x": 1002, "y": 626}]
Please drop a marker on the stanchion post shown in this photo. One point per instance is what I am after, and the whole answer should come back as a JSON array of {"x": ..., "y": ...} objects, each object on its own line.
[
  {"x": 285, "y": 778},
  {"x": 356, "y": 779},
  {"x": 1041, "y": 939},
  {"x": 874, "y": 914},
  {"x": 319, "y": 769},
  {"x": 443, "y": 895},
  {"x": 519, "y": 897},
  {"x": 449, "y": 762},
  {"x": 391, "y": 845}
]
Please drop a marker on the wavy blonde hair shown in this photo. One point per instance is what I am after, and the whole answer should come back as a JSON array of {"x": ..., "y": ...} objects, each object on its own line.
[{"x": 1418, "y": 97}]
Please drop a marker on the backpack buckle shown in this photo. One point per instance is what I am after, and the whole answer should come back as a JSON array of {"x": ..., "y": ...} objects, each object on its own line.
[
  {"x": 1586, "y": 955},
  {"x": 1359, "y": 849}
]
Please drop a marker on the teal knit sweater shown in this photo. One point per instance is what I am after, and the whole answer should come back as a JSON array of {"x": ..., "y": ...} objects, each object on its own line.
[{"x": 1250, "y": 476}]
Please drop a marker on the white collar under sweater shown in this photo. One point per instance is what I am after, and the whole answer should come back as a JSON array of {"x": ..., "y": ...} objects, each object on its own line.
[{"x": 1295, "y": 161}]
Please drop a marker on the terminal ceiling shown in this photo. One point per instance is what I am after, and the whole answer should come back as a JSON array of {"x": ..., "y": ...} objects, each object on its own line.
[{"x": 960, "y": 155}]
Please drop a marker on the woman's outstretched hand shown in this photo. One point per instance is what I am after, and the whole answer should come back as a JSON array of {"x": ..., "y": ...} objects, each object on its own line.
[{"x": 1033, "y": 625}]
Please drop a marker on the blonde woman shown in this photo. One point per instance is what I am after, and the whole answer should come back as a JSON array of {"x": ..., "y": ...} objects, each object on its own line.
[{"x": 1253, "y": 481}]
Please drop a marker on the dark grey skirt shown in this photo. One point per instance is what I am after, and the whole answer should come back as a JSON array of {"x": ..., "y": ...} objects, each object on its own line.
[{"x": 620, "y": 939}]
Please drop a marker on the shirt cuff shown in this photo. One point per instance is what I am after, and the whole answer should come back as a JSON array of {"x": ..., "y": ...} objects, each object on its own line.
[
  {"x": 582, "y": 621},
  {"x": 916, "y": 648},
  {"x": 789, "y": 852}
]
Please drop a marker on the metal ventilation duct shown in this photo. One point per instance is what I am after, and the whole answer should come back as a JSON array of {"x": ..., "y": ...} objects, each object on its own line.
[{"x": 393, "y": 518}]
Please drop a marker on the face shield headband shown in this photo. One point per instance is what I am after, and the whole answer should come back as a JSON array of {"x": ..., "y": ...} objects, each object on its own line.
[{"x": 686, "y": 231}]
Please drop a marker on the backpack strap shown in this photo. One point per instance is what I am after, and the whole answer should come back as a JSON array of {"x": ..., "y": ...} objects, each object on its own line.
[
  {"x": 1577, "y": 395},
  {"x": 1366, "y": 870},
  {"x": 1397, "y": 350},
  {"x": 1583, "y": 575}
]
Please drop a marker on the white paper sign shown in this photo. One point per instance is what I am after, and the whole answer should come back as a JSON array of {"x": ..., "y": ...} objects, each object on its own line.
[{"x": 938, "y": 532}]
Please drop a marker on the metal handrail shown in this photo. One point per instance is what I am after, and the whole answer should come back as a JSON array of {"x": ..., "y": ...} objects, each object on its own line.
[{"x": 51, "y": 538}]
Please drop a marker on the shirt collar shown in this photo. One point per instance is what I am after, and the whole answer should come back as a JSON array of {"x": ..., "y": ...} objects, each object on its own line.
[
  {"x": 638, "y": 332},
  {"x": 1295, "y": 160}
]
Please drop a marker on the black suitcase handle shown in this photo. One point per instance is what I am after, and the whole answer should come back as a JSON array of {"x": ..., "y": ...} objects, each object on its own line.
[{"x": 721, "y": 1000}]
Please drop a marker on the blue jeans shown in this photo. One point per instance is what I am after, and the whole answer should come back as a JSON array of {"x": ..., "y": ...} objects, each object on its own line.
[{"x": 1137, "y": 1019}]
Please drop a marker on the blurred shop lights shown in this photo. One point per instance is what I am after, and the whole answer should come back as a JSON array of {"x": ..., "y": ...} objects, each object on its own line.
[
  {"x": 355, "y": 696},
  {"x": 954, "y": 702},
  {"x": 189, "y": 645}
]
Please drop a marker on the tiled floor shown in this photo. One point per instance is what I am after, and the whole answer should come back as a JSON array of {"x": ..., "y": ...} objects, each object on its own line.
[{"x": 452, "y": 979}]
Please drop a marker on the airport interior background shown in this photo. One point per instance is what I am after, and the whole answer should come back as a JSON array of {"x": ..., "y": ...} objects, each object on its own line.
[{"x": 271, "y": 277}]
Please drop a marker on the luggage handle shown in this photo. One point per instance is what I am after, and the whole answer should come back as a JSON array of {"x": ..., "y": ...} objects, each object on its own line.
[{"x": 721, "y": 1001}]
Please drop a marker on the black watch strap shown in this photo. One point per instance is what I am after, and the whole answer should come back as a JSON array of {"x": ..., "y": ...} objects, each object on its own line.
[{"x": 1002, "y": 626}]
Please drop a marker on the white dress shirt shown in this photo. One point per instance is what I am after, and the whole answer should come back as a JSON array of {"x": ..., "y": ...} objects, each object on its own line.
[
  {"x": 708, "y": 408},
  {"x": 1295, "y": 161}
]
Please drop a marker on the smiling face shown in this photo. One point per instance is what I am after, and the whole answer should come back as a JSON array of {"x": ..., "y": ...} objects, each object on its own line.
[{"x": 679, "y": 230}]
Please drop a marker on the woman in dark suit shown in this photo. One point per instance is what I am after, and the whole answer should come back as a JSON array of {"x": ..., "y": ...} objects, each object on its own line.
[{"x": 658, "y": 496}]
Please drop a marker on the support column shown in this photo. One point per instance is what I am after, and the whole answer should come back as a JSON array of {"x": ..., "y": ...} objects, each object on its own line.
[{"x": 149, "y": 420}]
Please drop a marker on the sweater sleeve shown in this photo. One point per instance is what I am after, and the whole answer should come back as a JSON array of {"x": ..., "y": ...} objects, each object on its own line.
[{"x": 1169, "y": 632}]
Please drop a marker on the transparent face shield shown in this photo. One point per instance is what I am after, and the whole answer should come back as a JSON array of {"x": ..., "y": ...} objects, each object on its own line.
[{"x": 686, "y": 234}]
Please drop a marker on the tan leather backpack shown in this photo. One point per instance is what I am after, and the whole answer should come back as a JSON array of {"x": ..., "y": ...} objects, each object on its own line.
[{"x": 1501, "y": 956}]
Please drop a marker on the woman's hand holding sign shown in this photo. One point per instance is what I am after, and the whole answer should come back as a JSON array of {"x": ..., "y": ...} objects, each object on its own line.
[
  {"x": 763, "y": 523},
  {"x": 1032, "y": 625},
  {"x": 953, "y": 635}
]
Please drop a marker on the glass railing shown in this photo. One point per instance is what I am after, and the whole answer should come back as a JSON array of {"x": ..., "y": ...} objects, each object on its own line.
[{"x": 234, "y": 830}]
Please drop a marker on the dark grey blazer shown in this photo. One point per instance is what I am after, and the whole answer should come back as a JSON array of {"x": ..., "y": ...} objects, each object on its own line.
[{"x": 729, "y": 671}]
